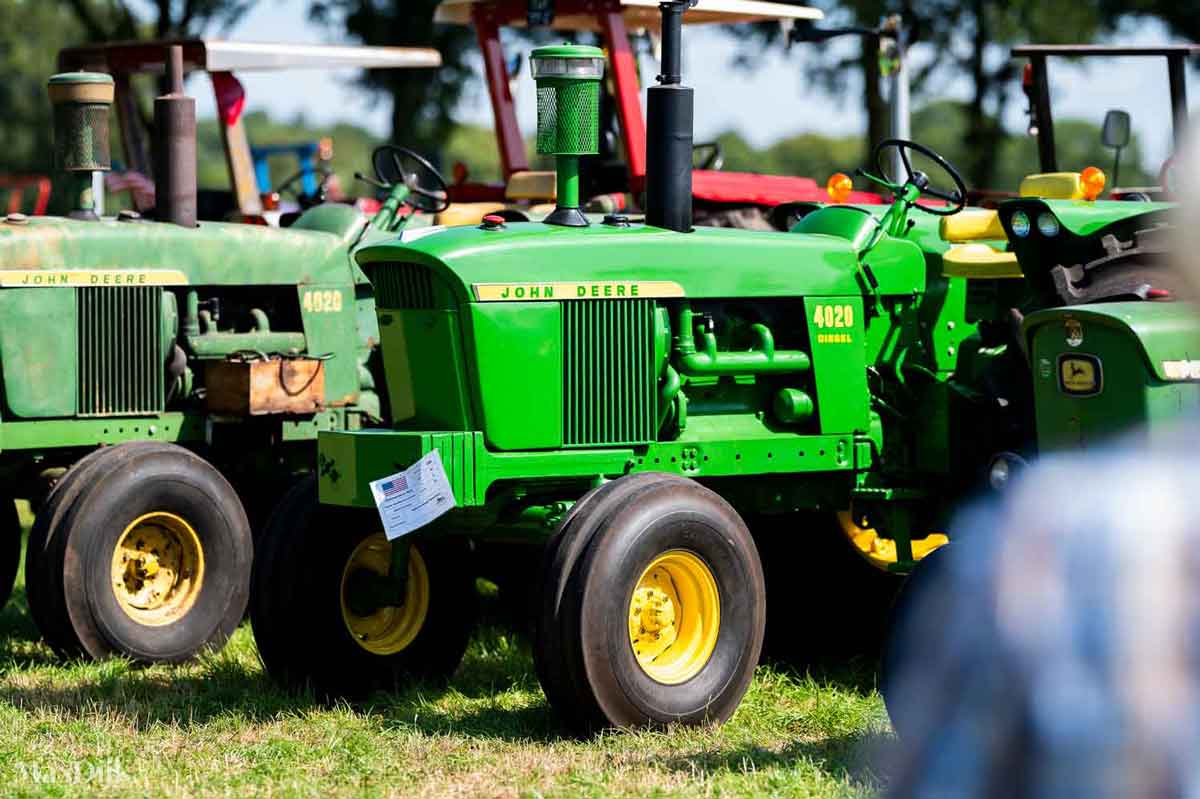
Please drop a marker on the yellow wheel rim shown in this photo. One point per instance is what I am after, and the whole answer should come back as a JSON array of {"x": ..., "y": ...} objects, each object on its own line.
[
  {"x": 674, "y": 617},
  {"x": 880, "y": 551},
  {"x": 387, "y": 630},
  {"x": 157, "y": 569}
]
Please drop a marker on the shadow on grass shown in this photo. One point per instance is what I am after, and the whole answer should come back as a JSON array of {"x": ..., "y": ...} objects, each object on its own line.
[
  {"x": 232, "y": 685},
  {"x": 20, "y": 641},
  {"x": 852, "y": 672},
  {"x": 848, "y": 757},
  {"x": 495, "y": 693},
  {"x": 219, "y": 688}
]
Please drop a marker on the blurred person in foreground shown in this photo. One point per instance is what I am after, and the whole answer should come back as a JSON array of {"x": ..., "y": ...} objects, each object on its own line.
[{"x": 1053, "y": 650}]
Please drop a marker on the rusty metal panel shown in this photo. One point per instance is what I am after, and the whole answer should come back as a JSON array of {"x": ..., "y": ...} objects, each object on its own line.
[{"x": 245, "y": 387}]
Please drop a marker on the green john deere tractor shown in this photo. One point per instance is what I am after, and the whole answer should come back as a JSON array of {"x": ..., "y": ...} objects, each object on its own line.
[
  {"x": 625, "y": 397},
  {"x": 164, "y": 381},
  {"x": 655, "y": 425}
]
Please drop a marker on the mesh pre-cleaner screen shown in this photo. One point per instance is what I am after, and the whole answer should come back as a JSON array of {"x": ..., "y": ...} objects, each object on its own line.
[
  {"x": 569, "y": 119},
  {"x": 81, "y": 137}
]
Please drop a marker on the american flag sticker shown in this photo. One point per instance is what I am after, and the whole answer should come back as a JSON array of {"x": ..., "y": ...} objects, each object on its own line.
[
  {"x": 411, "y": 499},
  {"x": 393, "y": 487}
]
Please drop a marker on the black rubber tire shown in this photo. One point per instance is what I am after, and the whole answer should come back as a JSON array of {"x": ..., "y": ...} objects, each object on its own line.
[
  {"x": 626, "y": 529},
  {"x": 43, "y": 581},
  {"x": 562, "y": 551},
  {"x": 916, "y": 618},
  {"x": 296, "y": 610},
  {"x": 127, "y": 482},
  {"x": 10, "y": 547},
  {"x": 843, "y": 598}
]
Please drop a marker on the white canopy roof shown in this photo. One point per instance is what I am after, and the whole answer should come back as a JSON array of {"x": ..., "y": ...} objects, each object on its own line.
[
  {"x": 217, "y": 55},
  {"x": 644, "y": 14}
]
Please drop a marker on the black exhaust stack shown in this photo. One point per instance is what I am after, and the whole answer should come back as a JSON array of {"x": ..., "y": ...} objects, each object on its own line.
[
  {"x": 175, "y": 146},
  {"x": 669, "y": 125}
]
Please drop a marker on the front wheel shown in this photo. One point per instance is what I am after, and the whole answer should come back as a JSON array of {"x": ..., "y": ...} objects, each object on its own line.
[
  {"x": 319, "y": 620},
  {"x": 662, "y": 615},
  {"x": 145, "y": 552}
]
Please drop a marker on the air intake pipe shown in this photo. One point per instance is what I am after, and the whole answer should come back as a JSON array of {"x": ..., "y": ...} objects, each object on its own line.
[
  {"x": 669, "y": 124},
  {"x": 175, "y": 149}
]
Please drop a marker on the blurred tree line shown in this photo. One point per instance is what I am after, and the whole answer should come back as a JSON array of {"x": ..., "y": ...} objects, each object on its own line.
[{"x": 967, "y": 37}]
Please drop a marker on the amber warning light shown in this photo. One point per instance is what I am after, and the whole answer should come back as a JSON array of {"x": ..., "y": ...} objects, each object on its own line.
[
  {"x": 839, "y": 187},
  {"x": 1091, "y": 181}
]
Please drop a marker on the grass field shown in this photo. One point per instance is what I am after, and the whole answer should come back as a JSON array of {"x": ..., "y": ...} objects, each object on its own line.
[{"x": 218, "y": 728}]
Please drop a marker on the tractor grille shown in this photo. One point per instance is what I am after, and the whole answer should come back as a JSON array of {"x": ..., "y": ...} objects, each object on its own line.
[
  {"x": 608, "y": 372},
  {"x": 120, "y": 351},
  {"x": 403, "y": 287}
]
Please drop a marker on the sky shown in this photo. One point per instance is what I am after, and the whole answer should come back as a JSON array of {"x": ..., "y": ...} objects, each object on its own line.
[{"x": 771, "y": 102}]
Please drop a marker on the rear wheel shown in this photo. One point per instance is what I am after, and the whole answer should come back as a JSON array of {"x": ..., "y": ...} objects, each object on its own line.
[
  {"x": 146, "y": 553},
  {"x": 851, "y": 597},
  {"x": 660, "y": 617},
  {"x": 917, "y": 618},
  {"x": 10, "y": 547},
  {"x": 319, "y": 626}
]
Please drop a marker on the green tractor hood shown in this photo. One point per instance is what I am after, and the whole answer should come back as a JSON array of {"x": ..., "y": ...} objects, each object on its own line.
[
  {"x": 46, "y": 251},
  {"x": 478, "y": 263}
]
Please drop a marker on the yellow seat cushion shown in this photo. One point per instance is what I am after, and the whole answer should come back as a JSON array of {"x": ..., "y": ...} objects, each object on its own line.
[
  {"x": 1053, "y": 186},
  {"x": 981, "y": 262},
  {"x": 467, "y": 213},
  {"x": 972, "y": 224},
  {"x": 533, "y": 186}
]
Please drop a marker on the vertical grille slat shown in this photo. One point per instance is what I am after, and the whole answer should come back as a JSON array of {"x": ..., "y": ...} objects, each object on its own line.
[
  {"x": 120, "y": 359},
  {"x": 401, "y": 286},
  {"x": 608, "y": 378}
]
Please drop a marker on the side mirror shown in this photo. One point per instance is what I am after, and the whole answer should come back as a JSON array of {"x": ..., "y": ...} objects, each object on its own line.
[{"x": 1115, "y": 134}]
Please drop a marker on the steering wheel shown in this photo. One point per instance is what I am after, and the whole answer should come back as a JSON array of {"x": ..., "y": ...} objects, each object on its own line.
[
  {"x": 394, "y": 164},
  {"x": 715, "y": 159},
  {"x": 305, "y": 199},
  {"x": 918, "y": 179}
]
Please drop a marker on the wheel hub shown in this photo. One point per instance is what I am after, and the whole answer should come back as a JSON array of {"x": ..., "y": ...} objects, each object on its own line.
[
  {"x": 383, "y": 629},
  {"x": 674, "y": 617},
  {"x": 157, "y": 569}
]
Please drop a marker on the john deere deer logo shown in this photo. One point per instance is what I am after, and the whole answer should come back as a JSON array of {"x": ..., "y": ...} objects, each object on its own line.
[{"x": 1079, "y": 375}]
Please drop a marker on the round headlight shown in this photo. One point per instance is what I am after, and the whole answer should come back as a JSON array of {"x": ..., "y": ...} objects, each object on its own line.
[
  {"x": 1020, "y": 224},
  {"x": 1048, "y": 225},
  {"x": 999, "y": 474},
  {"x": 1004, "y": 468}
]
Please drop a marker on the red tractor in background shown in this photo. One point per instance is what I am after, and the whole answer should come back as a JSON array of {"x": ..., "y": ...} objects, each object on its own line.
[{"x": 721, "y": 198}]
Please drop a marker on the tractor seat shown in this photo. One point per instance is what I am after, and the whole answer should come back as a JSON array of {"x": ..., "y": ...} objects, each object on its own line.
[
  {"x": 981, "y": 262},
  {"x": 972, "y": 224},
  {"x": 1053, "y": 186},
  {"x": 460, "y": 214},
  {"x": 532, "y": 186}
]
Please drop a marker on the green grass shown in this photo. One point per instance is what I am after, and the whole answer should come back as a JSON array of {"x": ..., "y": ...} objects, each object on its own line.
[{"x": 219, "y": 728}]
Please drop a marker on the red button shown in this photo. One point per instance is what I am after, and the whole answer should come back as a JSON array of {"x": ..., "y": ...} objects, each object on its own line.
[{"x": 493, "y": 221}]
